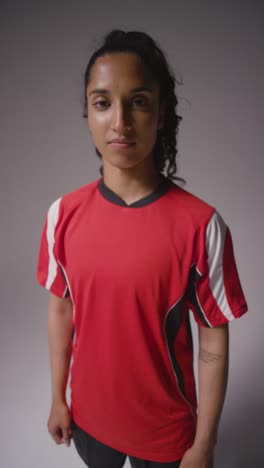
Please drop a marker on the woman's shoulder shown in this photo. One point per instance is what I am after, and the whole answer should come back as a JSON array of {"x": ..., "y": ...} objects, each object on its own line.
[
  {"x": 76, "y": 196},
  {"x": 80, "y": 192},
  {"x": 65, "y": 205},
  {"x": 190, "y": 203}
]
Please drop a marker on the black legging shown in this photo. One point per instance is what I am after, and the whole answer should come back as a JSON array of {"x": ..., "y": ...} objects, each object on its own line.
[{"x": 98, "y": 455}]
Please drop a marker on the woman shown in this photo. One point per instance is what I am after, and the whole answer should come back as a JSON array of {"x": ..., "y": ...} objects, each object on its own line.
[{"x": 125, "y": 258}]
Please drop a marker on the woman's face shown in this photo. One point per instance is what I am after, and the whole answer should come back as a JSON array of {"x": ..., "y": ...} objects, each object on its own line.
[{"x": 123, "y": 102}]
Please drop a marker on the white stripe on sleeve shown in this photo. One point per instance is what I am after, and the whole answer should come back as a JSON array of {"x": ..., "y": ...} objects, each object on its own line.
[
  {"x": 215, "y": 242},
  {"x": 52, "y": 220}
]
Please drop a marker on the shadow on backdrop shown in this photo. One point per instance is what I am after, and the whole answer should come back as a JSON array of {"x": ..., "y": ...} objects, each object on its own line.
[{"x": 240, "y": 438}]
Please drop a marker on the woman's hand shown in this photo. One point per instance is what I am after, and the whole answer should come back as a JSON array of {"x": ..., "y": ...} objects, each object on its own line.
[
  {"x": 59, "y": 423},
  {"x": 197, "y": 458}
]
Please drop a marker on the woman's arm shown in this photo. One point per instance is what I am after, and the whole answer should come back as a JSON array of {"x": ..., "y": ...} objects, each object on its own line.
[
  {"x": 213, "y": 363},
  {"x": 60, "y": 344},
  {"x": 213, "y": 376},
  {"x": 60, "y": 349}
]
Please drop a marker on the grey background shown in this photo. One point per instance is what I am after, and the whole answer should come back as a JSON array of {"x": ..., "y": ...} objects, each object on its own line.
[{"x": 216, "y": 48}]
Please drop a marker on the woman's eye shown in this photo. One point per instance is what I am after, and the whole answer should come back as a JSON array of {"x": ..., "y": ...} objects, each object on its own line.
[
  {"x": 140, "y": 100},
  {"x": 99, "y": 106}
]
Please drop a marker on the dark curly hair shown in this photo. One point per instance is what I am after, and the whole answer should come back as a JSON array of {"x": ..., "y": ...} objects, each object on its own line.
[{"x": 165, "y": 149}]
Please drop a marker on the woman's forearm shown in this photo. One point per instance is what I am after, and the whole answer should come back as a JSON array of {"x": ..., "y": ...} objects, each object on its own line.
[
  {"x": 213, "y": 376},
  {"x": 60, "y": 345}
]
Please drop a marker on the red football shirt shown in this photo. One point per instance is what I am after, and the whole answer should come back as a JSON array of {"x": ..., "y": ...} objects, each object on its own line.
[{"x": 133, "y": 273}]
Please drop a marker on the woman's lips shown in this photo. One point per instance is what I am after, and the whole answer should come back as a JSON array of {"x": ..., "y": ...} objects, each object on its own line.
[{"x": 121, "y": 145}]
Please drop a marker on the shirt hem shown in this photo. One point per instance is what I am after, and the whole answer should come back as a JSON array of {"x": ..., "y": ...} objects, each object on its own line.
[{"x": 146, "y": 455}]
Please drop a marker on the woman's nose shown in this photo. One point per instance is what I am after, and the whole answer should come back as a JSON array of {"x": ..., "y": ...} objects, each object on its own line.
[{"x": 121, "y": 118}]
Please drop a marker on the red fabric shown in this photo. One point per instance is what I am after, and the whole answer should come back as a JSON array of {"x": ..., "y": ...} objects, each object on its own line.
[{"x": 127, "y": 270}]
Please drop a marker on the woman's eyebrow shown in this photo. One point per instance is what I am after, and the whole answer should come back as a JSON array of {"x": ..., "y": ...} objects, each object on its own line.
[{"x": 134, "y": 90}]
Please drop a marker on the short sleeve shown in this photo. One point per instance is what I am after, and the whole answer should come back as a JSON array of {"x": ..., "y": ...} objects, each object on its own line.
[
  {"x": 50, "y": 274},
  {"x": 215, "y": 295}
]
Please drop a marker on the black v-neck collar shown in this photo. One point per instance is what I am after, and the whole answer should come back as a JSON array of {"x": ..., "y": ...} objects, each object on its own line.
[{"x": 111, "y": 196}]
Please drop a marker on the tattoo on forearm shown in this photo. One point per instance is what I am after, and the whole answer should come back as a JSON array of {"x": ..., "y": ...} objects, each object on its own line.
[{"x": 207, "y": 356}]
